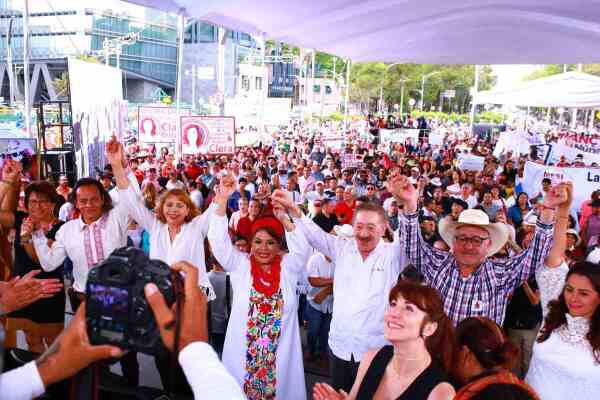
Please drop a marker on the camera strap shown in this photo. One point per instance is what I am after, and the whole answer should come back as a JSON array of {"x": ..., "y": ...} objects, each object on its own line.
[{"x": 178, "y": 290}]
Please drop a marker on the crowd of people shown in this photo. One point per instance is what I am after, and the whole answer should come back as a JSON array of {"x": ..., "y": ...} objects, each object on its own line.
[{"x": 412, "y": 278}]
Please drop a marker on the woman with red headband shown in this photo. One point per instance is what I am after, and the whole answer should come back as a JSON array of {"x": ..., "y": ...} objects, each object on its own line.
[{"x": 262, "y": 345}]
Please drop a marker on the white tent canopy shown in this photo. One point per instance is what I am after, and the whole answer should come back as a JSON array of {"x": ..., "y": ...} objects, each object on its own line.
[
  {"x": 419, "y": 31},
  {"x": 571, "y": 90}
]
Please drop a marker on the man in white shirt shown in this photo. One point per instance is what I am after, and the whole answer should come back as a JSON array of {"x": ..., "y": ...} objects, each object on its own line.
[
  {"x": 72, "y": 351},
  {"x": 319, "y": 304},
  {"x": 317, "y": 194},
  {"x": 87, "y": 241},
  {"x": 366, "y": 268}
]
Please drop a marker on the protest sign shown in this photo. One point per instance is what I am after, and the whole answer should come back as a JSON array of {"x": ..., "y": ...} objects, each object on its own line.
[
  {"x": 351, "y": 160},
  {"x": 585, "y": 180},
  {"x": 470, "y": 162},
  {"x": 436, "y": 138},
  {"x": 158, "y": 124},
  {"x": 518, "y": 142},
  {"x": 388, "y": 136},
  {"x": 203, "y": 134}
]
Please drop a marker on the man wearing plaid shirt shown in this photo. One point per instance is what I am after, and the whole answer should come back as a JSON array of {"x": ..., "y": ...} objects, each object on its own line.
[{"x": 469, "y": 282}]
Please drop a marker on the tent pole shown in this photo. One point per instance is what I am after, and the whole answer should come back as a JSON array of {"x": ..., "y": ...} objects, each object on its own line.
[
  {"x": 348, "y": 65},
  {"x": 178, "y": 149},
  {"x": 474, "y": 101},
  {"x": 27, "y": 82}
]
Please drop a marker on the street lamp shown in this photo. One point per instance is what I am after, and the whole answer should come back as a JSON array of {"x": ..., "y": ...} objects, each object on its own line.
[
  {"x": 423, "y": 86},
  {"x": 115, "y": 46},
  {"x": 380, "y": 108},
  {"x": 402, "y": 81}
]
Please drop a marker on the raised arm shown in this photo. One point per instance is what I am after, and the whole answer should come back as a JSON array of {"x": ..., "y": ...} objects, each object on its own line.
[
  {"x": 9, "y": 192},
  {"x": 131, "y": 202},
  {"x": 516, "y": 270},
  {"x": 313, "y": 234},
  {"x": 424, "y": 257},
  {"x": 559, "y": 245},
  {"x": 224, "y": 251}
]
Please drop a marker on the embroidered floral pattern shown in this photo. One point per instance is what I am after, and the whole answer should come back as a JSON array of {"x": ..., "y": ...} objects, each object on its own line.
[{"x": 262, "y": 337}]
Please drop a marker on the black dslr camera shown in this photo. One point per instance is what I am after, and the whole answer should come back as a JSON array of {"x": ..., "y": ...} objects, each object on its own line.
[{"x": 116, "y": 310}]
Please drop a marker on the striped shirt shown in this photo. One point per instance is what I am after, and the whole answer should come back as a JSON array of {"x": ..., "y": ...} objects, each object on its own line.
[{"x": 486, "y": 291}]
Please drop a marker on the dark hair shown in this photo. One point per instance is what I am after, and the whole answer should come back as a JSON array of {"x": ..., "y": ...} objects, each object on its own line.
[
  {"x": 107, "y": 204},
  {"x": 45, "y": 189},
  {"x": 486, "y": 341},
  {"x": 441, "y": 345},
  {"x": 504, "y": 391},
  {"x": 558, "y": 308}
]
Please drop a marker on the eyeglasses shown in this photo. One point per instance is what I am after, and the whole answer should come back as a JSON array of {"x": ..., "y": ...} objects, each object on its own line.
[{"x": 475, "y": 241}]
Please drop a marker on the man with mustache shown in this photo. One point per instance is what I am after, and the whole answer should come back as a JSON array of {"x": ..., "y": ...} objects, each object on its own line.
[{"x": 365, "y": 270}]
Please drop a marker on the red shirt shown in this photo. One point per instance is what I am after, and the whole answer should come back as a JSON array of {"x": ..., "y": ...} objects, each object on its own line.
[{"x": 345, "y": 212}]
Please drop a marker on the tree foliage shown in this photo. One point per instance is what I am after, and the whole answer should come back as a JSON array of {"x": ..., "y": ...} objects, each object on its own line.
[{"x": 554, "y": 69}]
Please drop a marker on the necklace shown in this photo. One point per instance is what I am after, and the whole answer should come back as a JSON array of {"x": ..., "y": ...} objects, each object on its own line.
[{"x": 397, "y": 368}]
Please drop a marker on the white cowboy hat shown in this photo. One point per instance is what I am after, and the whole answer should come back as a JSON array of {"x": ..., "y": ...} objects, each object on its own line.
[
  {"x": 498, "y": 231},
  {"x": 574, "y": 233},
  {"x": 436, "y": 182},
  {"x": 344, "y": 231}
]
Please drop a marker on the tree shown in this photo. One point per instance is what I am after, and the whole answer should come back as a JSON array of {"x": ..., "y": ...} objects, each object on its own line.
[{"x": 61, "y": 85}]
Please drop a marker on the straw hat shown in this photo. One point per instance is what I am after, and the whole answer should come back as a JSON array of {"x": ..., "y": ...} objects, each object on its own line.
[{"x": 498, "y": 231}]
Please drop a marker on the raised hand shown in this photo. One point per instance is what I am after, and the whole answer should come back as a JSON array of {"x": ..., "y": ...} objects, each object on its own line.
[
  {"x": 323, "y": 391},
  {"x": 227, "y": 185},
  {"x": 399, "y": 186},
  {"x": 114, "y": 152},
  {"x": 11, "y": 171},
  {"x": 560, "y": 196},
  {"x": 283, "y": 199}
]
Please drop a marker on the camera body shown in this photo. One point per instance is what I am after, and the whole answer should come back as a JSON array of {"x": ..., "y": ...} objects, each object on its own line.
[{"x": 116, "y": 310}]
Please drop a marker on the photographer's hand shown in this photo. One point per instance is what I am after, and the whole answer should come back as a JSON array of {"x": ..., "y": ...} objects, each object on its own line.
[
  {"x": 193, "y": 316},
  {"x": 72, "y": 352}
]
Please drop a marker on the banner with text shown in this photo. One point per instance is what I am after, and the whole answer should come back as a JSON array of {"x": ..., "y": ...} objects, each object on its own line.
[
  {"x": 585, "y": 180},
  {"x": 158, "y": 124},
  {"x": 204, "y": 134},
  {"x": 389, "y": 136}
]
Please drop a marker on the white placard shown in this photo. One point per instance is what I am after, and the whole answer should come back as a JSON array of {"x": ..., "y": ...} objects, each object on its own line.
[{"x": 470, "y": 162}]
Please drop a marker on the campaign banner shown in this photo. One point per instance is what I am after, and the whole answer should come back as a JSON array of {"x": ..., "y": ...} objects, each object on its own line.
[
  {"x": 580, "y": 143},
  {"x": 470, "y": 162},
  {"x": 205, "y": 134},
  {"x": 570, "y": 153},
  {"x": 585, "y": 180},
  {"x": 158, "y": 124},
  {"x": 388, "y": 136}
]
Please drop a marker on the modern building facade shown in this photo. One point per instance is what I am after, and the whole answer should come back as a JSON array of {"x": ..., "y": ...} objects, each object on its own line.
[{"x": 63, "y": 28}]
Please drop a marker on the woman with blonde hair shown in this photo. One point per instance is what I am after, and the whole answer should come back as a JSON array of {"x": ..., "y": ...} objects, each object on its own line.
[{"x": 176, "y": 229}]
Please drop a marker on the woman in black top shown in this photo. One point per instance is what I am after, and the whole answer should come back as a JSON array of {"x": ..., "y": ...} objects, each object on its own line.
[
  {"x": 414, "y": 366},
  {"x": 43, "y": 320}
]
